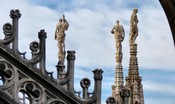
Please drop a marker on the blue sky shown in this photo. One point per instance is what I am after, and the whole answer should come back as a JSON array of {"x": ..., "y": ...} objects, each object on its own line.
[{"x": 89, "y": 35}]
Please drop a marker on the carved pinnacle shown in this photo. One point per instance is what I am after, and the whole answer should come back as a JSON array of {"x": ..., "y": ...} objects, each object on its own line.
[
  {"x": 15, "y": 14},
  {"x": 98, "y": 74},
  {"x": 71, "y": 55},
  {"x": 42, "y": 34}
]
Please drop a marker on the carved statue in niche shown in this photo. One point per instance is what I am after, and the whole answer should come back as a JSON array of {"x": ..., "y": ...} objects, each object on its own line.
[
  {"x": 61, "y": 27},
  {"x": 133, "y": 27},
  {"x": 119, "y": 35}
]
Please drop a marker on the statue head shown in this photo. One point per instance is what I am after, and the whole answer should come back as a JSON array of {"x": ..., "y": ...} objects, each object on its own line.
[
  {"x": 60, "y": 20},
  {"x": 117, "y": 21},
  {"x": 135, "y": 10}
]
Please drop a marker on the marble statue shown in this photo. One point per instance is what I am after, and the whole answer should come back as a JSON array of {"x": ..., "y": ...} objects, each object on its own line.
[
  {"x": 61, "y": 27},
  {"x": 133, "y": 27},
  {"x": 119, "y": 35}
]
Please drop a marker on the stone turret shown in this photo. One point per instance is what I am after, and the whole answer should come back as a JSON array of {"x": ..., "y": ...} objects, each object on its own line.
[{"x": 133, "y": 80}]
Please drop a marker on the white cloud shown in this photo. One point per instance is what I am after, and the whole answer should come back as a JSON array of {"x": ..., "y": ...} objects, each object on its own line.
[
  {"x": 160, "y": 101},
  {"x": 155, "y": 43},
  {"x": 159, "y": 87},
  {"x": 89, "y": 34}
]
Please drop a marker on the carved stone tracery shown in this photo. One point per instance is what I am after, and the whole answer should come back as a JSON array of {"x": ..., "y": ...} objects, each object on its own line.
[
  {"x": 8, "y": 75},
  {"x": 32, "y": 89},
  {"x": 27, "y": 80}
]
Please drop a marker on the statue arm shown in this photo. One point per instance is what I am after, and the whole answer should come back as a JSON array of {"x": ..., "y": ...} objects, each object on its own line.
[
  {"x": 112, "y": 31},
  {"x": 137, "y": 19},
  {"x": 123, "y": 35},
  {"x": 67, "y": 24},
  {"x": 132, "y": 20},
  {"x": 56, "y": 32}
]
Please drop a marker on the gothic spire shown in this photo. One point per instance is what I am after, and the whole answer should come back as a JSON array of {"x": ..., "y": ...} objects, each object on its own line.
[
  {"x": 133, "y": 80},
  {"x": 119, "y": 35}
]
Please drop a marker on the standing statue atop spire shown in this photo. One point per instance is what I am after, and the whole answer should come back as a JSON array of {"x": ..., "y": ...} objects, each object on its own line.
[
  {"x": 119, "y": 35},
  {"x": 133, "y": 27},
  {"x": 61, "y": 27}
]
